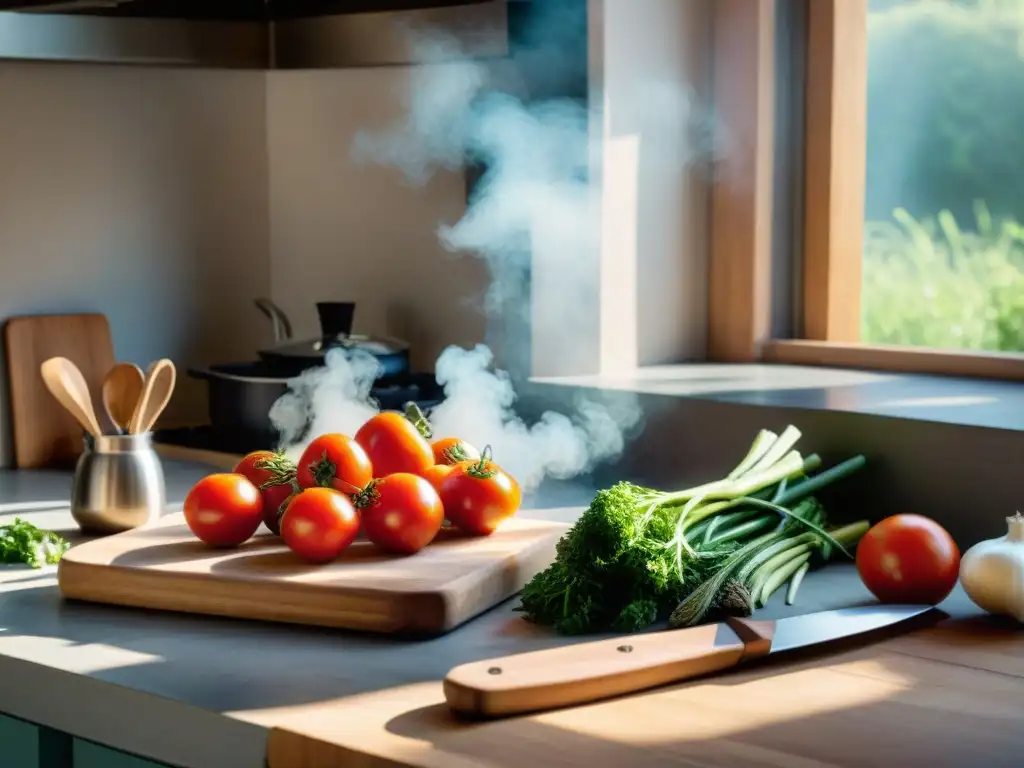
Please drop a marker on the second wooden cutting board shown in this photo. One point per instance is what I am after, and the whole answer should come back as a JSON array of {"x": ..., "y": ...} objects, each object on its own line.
[
  {"x": 454, "y": 579},
  {"x": 46, "y": 435}
]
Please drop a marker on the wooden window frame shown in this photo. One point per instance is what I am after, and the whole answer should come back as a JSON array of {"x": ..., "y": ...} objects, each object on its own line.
[{"x": 835, "y": 147}]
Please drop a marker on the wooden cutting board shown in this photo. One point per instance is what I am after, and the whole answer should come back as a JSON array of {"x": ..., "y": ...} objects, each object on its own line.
[
  {"x": 45, "y": 434},
  {"x": 454, "y": 579}
]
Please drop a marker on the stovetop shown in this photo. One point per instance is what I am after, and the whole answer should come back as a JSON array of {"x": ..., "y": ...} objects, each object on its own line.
[
  {"x": 391, "y": 394},
  {"x": 206, "y": 438}
]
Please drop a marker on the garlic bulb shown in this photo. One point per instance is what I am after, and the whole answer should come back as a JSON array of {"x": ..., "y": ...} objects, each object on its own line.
[{"x": 992, "y": 572}]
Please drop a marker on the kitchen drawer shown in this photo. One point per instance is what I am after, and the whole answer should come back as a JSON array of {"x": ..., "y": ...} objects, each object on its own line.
[
  {"x": 20, "y": 743},
  {"x": 89, "y": 755}
]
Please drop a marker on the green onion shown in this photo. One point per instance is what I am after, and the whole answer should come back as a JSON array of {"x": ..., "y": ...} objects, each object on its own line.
[
  {"x": 779, "y": 577},
  {"x": 638, "y": 555},
  {"x": 794, "y": 585}
]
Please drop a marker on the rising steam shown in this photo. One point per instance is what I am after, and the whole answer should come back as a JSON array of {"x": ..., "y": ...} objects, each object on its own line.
[
  {"x": 533, "y": 194},
  {"x": 333, "y": 398},
  {"x": 478, "y": 406}
]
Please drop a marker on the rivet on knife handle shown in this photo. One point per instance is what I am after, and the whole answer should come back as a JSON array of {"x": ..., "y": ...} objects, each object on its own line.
[{"x": 586, "y": 672}]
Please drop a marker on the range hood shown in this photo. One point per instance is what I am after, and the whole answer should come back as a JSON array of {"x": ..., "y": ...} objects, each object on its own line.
[{"x": 250, "y": 34}]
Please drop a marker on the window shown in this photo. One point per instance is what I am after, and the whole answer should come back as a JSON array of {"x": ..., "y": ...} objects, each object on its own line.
[
  {"x": 943, "y": 240},
  {"x": 911, "y": 193}
]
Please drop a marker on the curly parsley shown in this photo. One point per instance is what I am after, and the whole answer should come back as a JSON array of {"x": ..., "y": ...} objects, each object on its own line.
[{"x": 23, "y": 543}]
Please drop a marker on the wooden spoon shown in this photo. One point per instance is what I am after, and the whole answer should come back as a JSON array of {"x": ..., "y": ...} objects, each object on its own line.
[
  {"x": 122, "y": 390},
  {"x": 156, "y": 394},
  {"x": 67, "y": 384}
]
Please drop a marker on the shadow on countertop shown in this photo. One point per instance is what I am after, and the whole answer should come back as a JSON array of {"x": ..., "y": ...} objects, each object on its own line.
[
  {"x": 225, "y": 665},
  {"x": 868, "y": 708}
]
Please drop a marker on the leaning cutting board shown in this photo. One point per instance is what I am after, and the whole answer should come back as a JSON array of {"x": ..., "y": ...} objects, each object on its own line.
[
  {"x": 164, "y": 567},
  {"x": 46, "y": 435}
]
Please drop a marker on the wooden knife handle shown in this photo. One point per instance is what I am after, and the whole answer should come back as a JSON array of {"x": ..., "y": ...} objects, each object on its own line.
[{"x": 586, "y": 672}]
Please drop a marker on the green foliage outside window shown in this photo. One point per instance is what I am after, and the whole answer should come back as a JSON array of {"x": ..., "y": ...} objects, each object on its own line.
[{"x": 944, "y": 254}]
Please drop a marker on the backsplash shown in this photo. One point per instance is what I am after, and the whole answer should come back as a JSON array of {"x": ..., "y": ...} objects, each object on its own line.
[
  {"x": 170, "y": 199},
  {"x": 342, "y": 230},
  {"x": 139, "y": 193}
]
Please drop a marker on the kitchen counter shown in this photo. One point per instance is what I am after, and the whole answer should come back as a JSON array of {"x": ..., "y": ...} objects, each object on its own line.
[
  {"x": 213, "y": 693},
  {"x": 175, "y": 676}
]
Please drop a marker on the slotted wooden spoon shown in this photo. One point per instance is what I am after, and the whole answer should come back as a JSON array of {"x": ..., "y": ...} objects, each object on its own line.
[
  {"x": 122, "y": 390},
  {"x": 156, "y": 393},
  {"x": 69, "y": 387}
]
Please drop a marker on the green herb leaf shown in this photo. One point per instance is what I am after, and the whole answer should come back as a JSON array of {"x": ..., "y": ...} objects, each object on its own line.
[
  {"x": 23, "y": 543},
  {"x": 638, "y": 555}
]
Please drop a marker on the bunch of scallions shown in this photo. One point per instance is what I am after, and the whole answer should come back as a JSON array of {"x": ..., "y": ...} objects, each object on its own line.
[{"x": 638, "y": 556}]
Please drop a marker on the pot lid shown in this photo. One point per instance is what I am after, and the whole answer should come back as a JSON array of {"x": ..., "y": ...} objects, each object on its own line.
[{"x": 317, "y": 348}]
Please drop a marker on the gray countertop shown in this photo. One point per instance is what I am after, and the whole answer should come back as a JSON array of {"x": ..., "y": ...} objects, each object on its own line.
[
  {"x": 189, "y": 690},
  {"x": 160, "y": 684}
]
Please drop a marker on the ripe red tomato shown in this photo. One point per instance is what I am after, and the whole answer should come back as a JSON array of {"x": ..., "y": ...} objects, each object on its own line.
[
  {"x": 436, "y": 474},
  {"x": 394, "y": 445},
  {"x": 274, "y": 475},
  {"x": 401, "y": 513},
  {"x": 479, "y": 495},
  {"x": 335, "y": 461},
  {"x": 318, "y": 524},
  {"x": 224, "y": 510},
  {"x": 908, "y": 559},
  {"x": 452, "y": 450}
]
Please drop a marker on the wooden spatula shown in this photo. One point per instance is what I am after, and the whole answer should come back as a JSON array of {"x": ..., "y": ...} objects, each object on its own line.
[
  {"x": 156, "y": 393},
  {"x": 122, "y": 390},
  {"x": 67, "y": 384}
]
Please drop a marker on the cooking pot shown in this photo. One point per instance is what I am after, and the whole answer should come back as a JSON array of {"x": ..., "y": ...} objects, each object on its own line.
[
  {"x": 290, "y": 358},
  {"x": 242, "y": 394}
]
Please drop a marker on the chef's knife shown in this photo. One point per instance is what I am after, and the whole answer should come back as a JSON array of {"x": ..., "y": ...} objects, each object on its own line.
[{"x": 586, "y": 672}]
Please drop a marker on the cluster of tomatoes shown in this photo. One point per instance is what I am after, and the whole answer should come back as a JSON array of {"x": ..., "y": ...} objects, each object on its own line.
[{"x": 389, "y": 480}]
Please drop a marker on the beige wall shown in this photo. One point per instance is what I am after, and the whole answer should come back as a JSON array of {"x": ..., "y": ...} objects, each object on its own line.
[
  {"x": 658, "y": 72},
  {"x": 653, "y": 73},
  {"x": 347, "y": 231},
  {"x": 142, "y": 194},
  {"x": 169, "y": 199},
  {"x": 641, "y": 298}
]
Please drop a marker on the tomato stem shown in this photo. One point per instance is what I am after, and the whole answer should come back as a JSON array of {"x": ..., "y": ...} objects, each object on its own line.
[
  {"x": 282, "y": 470},
  {"x": 324, "y": 471},
  {"x": 366, "y": 497},
  {"x": 418, "y": 419},
  {"x": 483, "y": 469},
  {"x": 353, "y": 492},
  {"x": 455, "y": 454}
]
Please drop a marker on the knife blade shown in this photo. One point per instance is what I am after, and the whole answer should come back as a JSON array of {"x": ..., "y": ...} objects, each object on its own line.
[{"x": 585, "y": 672}]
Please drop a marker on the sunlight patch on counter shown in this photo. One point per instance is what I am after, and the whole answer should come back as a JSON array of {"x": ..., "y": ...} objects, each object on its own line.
[
  {"x": 70, "y": 656},
  {"x": 729, "y": 707},
  {"x": 411, "y": 723}
]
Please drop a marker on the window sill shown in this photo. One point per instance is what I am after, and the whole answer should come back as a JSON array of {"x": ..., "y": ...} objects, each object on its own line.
[
  {"x": 895, "y": 359},
  {"x": 965, "y": 401}
]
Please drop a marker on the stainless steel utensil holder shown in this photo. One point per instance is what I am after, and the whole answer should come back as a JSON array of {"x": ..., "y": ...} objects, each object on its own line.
[{"x": 119, "y": 484}]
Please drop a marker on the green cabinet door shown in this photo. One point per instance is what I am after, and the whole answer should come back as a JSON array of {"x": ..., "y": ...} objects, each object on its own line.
[
  {"x": 25, "y": 745},
  {"x": 89, "y": 755},
  {"x": 20, "y": 743}
]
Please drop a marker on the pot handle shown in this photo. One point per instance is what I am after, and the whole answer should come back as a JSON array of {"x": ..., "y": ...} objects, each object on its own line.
[
  {"x": 203, "y": 374},
  {"x": 276, "y": 315}
]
